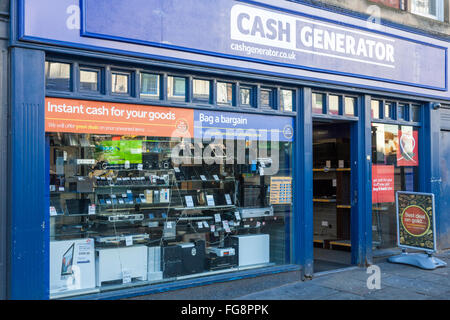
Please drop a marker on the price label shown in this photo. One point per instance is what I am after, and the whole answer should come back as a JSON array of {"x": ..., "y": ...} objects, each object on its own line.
[
  {"x": 128, "y": 241},
  {"x": 140, "y": 166},
  {"x": 206, "y": 224},
  {"x": 226, "y": 226},
  {"x": 203, "y": 177},
  {"x": 216, "y": 177},
  {"x": 213, "y": 228},
  {"x": 53, "y": 211},
  {"x": 217, "y": 217},
  {"x": 228, "y": 199},
  {"x": 91, "y": 209},
  {"x": 177, "y": 170},
  {"x": 237, "y": 215},
  {"x": 210, "y": 200},
  {"x": 126, "y": 276},
  {"x": 189, "y": 201},
  {"x": 200, "y": 224}
]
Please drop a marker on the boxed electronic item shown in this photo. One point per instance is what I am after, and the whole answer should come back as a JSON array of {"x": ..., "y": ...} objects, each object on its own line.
[
  {"x": 193, "y": 256},
  {"x": 126, "y": 263},
  {"x": 251, "y": 249},
  {"x": 183, "y": 259},
  {"x": 221, "y": 258},
  {"x": 172, "y": 262},
  {"x": 154, "y": 263},
  {"x": 256, "y": 212},
  {"x": 72, "y": 265},
  {"x": 78, "y": 206},
  {"x": 80, "y": 184}
]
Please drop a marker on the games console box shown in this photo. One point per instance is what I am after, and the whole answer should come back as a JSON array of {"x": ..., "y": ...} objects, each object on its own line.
[
  {"x": 251, "y": 249},
  {"x": 72, "y": 265}
]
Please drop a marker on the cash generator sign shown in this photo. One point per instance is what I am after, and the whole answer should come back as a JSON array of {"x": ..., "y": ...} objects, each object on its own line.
[{"x": 289, "y": 35}]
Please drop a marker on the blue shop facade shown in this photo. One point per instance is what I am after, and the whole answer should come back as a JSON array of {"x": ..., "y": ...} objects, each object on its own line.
[{"x": 159, "y": 145}]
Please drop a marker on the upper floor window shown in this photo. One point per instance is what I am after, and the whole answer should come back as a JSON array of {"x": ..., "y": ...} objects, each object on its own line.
[
  {"x": 433, "y": 9},
  {"x": 150, "y": 85},
  {"x": 201, "y": 90},
  {"x": 57, "y": 76},
  {"x": 120, "y": 82},
  {"x": 225, "y": 93},
  {"x": 176, "y": 88},
  {"x": 287, "y": 100},
  {"x": 89, "y": 80}
]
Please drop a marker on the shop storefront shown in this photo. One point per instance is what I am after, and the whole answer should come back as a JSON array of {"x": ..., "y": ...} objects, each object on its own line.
[{"x": 160, "y": 145}]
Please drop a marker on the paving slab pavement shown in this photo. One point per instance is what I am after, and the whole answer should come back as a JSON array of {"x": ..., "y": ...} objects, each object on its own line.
[{"x": 397, "y": 282}]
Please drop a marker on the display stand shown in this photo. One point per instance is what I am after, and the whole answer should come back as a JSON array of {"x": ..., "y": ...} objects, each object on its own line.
[
  {"x": 416, "y": 224},
  {"x": 421, "y": 260}
]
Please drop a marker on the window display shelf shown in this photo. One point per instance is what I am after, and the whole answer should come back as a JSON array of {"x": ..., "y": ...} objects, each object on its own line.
[
  {"x": 206, "y": 207},
  {"x": 54, "y": 193},
  {"x": 135, "y": 186},
  {"x": 324, "y": 200},
  {"x": 331, "y": 169},
  {"x": 72, "y": 215}
]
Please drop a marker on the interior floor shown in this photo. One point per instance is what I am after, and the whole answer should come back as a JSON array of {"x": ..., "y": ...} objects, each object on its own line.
[{"x": 326, "y": 260}]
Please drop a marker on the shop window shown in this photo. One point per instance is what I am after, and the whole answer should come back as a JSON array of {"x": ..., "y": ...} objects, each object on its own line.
[
  {"x": 318, "y": 103},
  {"x": 201, "y": 90},
  {"x": 176, "y": 88},
  {"x": 120, "y": 83},
  {"x": 57, "y": 76},
  {"x": 433, "y": 9},
  {"x": 350, "y": 106},
  {"x": 150, "y": 84},
  {"x": 286, "y": 100},
  {"x": 389, "y": 109},
  {"x": 142, "y": 209},
  {"x": 333, "y": 104},
  {"x": 267, "y": 98},
  {"x": 395, "y": 167},
  {"x": 415, "y": 113},
  {"x": 89, "y": 80},
  {"x": 225, "y": 93},
  {"x": 375, "y": 109}
]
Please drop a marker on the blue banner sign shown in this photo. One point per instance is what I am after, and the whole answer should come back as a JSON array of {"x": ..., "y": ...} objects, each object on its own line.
[
  {"x": 242, "y": 126},
  {"x": 240, "y": 29},
  {"x": 268, "y": 36}
]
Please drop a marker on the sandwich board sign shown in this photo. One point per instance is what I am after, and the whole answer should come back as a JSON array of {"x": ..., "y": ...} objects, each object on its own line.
[{"x": 416, "y": 229}]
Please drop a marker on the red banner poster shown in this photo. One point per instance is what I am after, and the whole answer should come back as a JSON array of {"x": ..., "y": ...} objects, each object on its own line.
[
  {"x": 389, "y": 3},
  {"x": 382, "y": 183},
  {"x": 83, "y": 116},
  {"x": 408, "y": 147}
]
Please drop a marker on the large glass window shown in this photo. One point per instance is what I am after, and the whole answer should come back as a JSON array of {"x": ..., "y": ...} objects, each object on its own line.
[
  {"x": 134, "y": 203},
  {"x": 395, "y": 164}
]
